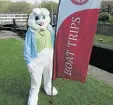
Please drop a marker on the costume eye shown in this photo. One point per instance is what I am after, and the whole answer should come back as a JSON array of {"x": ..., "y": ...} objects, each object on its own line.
[
  {"x": 43, "y": 17},
  {"x": 36, "y": 18}
]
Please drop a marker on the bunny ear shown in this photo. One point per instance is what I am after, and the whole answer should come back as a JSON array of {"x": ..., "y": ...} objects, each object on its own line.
[
  {"x": 37, "y": 11},
  {"x": 45, "y": 11}
]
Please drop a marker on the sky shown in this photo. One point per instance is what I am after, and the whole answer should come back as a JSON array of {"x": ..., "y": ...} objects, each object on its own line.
[
  {"x": 33, "y": 1},
  {"x": 37, "y": 1}
]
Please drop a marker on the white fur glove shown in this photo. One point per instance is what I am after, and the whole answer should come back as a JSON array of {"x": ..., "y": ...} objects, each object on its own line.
[{"x": 31, "y": 66}]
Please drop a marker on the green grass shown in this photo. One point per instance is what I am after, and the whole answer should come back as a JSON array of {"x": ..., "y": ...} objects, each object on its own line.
[
  {"x": 106, "y": 39},
  {"x": 15, "y": 83}
]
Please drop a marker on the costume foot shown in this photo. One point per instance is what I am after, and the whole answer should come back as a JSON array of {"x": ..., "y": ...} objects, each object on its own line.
[{"x": 48, "y": 91}]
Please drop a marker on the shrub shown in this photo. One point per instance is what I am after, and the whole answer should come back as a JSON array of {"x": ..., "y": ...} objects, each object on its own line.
[{"x": 105, "y": 17}]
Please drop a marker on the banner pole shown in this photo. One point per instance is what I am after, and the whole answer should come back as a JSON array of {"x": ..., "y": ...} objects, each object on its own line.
[
  {"x": 52, "y": 82},
  {"x": 52, "y": 100}
]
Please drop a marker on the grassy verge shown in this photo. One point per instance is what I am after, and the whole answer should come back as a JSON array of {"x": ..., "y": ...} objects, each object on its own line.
[
  {"x": 15, "y": 83},
  {"x": 105, "y": 39}
]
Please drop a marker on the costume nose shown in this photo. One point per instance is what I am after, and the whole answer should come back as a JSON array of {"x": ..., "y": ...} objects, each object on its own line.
[{"x": 41, "y": 23}]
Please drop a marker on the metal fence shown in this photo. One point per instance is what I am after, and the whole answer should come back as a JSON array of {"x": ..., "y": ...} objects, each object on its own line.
[
  {"x": 8, "y": 18},
  {"x": 105, "y": 29}
]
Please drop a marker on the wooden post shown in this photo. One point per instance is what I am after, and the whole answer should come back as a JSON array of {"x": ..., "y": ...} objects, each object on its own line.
[
  {"x": 27, "y": 20},
  {"x": 109, "y": 8},
  {"x": 14, "y": 25}
]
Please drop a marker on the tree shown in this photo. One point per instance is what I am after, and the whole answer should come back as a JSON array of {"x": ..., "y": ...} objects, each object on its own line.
[
  {"x": 105, "y": 17},
  {"x": 19, "y": 7},
  {"x": 49, "y": 6},
  {"x": 4, "y": 5}
]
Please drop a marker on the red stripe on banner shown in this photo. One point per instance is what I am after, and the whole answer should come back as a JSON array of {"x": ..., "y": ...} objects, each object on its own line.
[{"x": 74, "y": 44}]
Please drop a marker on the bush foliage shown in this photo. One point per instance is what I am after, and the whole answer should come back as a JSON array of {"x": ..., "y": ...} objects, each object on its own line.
[{"x": 105, "y": 17}]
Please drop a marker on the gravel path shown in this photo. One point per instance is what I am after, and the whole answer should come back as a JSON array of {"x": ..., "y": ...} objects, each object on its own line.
[
  {"x": 8, "y": 34},
  {"x": 101, "y": 74}
]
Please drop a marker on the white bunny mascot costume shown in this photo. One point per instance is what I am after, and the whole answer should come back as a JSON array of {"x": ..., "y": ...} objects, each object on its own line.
[{"x": 38, "y": 53}]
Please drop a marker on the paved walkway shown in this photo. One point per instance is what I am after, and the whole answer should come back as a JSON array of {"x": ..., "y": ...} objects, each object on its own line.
[
  {"x": 101, "y": 75},
  {"x": 93, "y": 71},
  {"x": 8, "y": 34}
]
